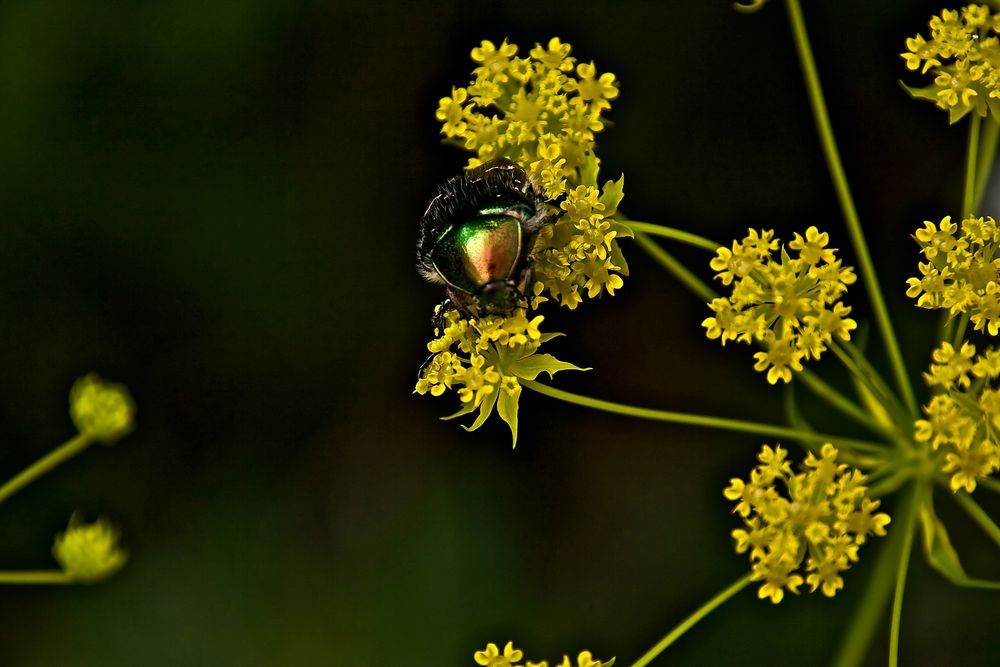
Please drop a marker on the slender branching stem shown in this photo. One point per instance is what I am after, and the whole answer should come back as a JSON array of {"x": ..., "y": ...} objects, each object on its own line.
[
  {"x": 689, "y": 622},
  {"x": 671, "y": 264},
  {"x": 978, "y": 515},
  {"x": 837, "y": 400},
  {"x": 956, "y": 339},
  {"x": 35, "y": 577},
  {"x": 868, "y": 616},
  {"x": 909, "y": 528},
  {"x": 971, "y": 162},
  {"x": 770, "y": 430},
  {"x": 673, "y": 234},
  {"x": 987, "y": 151},
  {"x": 68, "y": 450},
  {"x": 832, "y": 155}
]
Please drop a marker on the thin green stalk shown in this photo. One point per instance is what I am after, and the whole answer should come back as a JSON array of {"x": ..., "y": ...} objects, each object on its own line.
[
  {"x": 837, "y": 400},
  {"x": 880, "y": 584},
  {"x": 35, "y": 577},
  {"x": 971, "y": 161},
  {"x": 66, "y": 451},
  {"x": 991, "y": 484},
  {"x": 892, "y": 482},
  {"x": 671, "y": 233},
  {"x": 691, "y": 620},
  {"x": 987, "y": 151},
  {"x": 946, "y": 325},
  {"x": 909, "y": 528},
  {"x": 886, "y": 398},
  {"x": 670, "y": 263},
  {"x": 978, "y": 515},
  {"x": 847, "y": 203},
  {"x": 723, "y": 423},
  {"x": 866, "y": 367},
  {"x": 963, "y": 322}
]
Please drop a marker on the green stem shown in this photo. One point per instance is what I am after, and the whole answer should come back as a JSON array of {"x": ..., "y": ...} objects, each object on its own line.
[
  {"x": 670, "y": 263},
  {"x": 671, "y": 233},
  {"x": 909, "y": 528},
  {"x": 987, "y": 151},
  {"x": 847, "y": 203},
  {"x": 837, "y": 400},
  {"x": 956, "y": 339},
  {"x": 35, "y": 577},
  {"x": 891, "y": 483},
  {"x": 978, "y": 515},
  {"x": 971, "y": 161},
  {"x": 738, "y": 425},
  {"x": 946, "y": 325},
  {"x": 66, "y": 451},
  {"x": 885, "y": 397},
  {"x": 991, "y": 484},
  {"x": 867, "y": 618},
  {"x": 691, "y": 620}
]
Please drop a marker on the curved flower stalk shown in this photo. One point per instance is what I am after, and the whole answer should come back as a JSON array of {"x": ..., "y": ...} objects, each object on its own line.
[{"x": 102, "y": 412}]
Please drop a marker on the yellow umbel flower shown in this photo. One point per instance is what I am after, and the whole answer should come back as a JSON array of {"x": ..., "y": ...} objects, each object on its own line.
[
  {"x": 542, "y": 112},
  {"x": 962, "y": 272},
  {"x": 962, "y": 423},
  {"x": 492, "y": 657},
  {"x": 819, "y": 517},
  {"x": 790, "y": 306},
  {"x": 100, "y": 409},
  {"x": 89, "y": 552},
  {"x": 963, "y": 54},
  {"x": 483, "y": 358},
  {"x": 539, "y": 111}
]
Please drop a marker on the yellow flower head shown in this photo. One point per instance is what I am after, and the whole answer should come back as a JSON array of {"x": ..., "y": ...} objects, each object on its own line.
[
  {"x": 962, "y": 423},
  {"x": 962, "y": 272},
  {"x": 542, "y": 112},
  {"x": 483, "y": 359},
  {"x": 789, "y": 305},
  {"x": 89, "y": 552},
  {"x": 818, "y": 517},
  {"x": 100, "y": 409},
  {"x": 963, "y": 55},
  {"x": 492, "y": 657}
]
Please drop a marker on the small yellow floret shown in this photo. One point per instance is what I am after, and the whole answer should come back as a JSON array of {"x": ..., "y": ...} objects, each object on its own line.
[
  {"x": 100, "y": 409},
  {"x": 89, "y": 552}
]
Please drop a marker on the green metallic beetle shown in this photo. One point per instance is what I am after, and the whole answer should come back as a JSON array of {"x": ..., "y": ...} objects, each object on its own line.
[{"x": 477, "y": 235}]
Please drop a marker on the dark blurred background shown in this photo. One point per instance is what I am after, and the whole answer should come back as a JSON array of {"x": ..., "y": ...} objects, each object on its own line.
[{"x": 216, "y": 204}]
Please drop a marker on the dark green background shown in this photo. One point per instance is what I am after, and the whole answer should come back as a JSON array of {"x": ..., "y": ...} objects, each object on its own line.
[{"x": 216, "y": 203}]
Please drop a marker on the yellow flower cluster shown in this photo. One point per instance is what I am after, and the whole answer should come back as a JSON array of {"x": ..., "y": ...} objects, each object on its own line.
[
  {"x": 89, "y": 552},
  {"x": 483, "y": 359},
  {"x": 100, "y": 409},
  {"x": 964, "y": 55},
  {"x": 822, "y": 518},
  {"x": 790, "y": 306},
  {"x": 962, "y": 271},
  {"x": 579, "y": 254},
  {"x": 541, "y": 112},
  {"x": 492, "y": 657},
  {"x": 963, "y": 421}
]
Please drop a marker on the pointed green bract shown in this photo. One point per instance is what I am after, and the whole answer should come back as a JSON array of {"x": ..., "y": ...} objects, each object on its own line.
[{"x": 940, "y": 553}]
